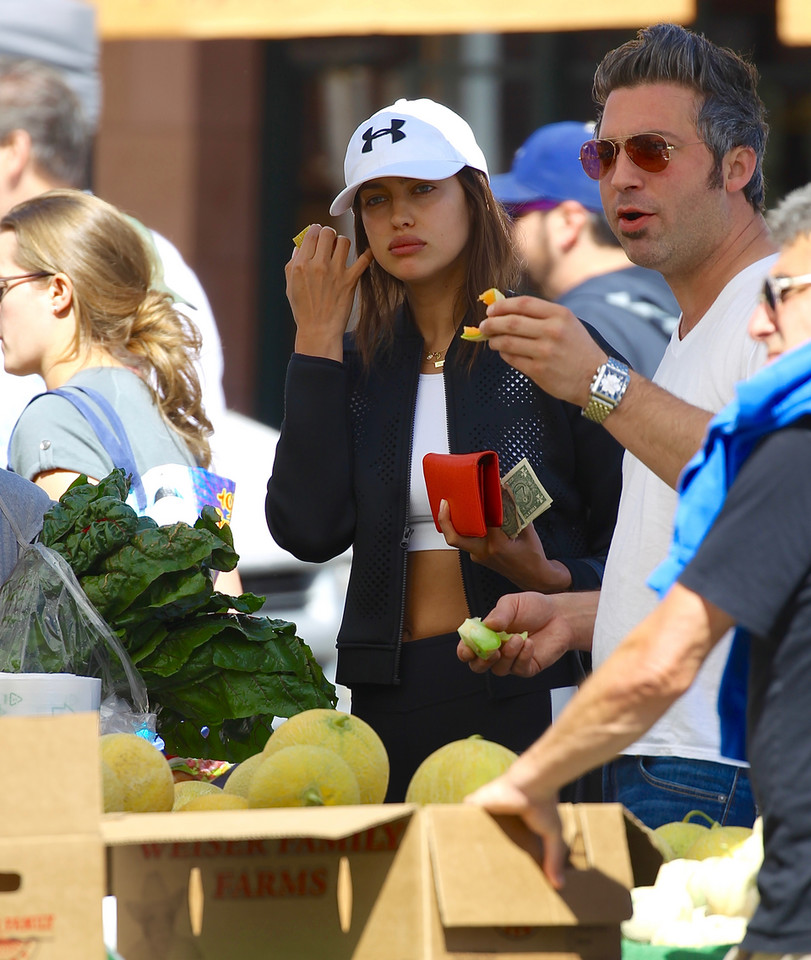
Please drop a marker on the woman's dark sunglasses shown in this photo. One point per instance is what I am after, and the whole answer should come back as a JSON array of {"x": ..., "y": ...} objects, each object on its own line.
[{"x": 649, "y": 151}]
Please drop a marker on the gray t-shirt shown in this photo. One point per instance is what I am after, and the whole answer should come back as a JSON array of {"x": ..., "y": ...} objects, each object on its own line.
[
  {"x": 26, "y": 504},
  {"x": 51, "y": 434}
]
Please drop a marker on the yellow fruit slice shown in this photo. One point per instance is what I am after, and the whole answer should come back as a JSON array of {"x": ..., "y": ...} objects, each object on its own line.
[
  {"x": 303, "y": 776},
  {"x": 472, "y": 333},
  {"x": 300, "y": 236},
  {"x": 345, "y": 734},
  {"x": 450, "y": 773},
  {"x": 143, "y": 771},
  {"x": 491, "y": 295}
]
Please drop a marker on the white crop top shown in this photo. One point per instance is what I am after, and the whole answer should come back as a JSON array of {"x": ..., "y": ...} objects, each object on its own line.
[{"x": 430, "y": 436}]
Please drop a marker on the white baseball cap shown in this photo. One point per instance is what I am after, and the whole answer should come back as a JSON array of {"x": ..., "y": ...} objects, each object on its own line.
[{"x": 420, "y": 139}]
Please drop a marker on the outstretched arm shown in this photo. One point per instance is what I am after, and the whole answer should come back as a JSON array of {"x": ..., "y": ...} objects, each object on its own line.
[
  {"x": 547, "y": 343},
  {"x": 649, "y": 671}
]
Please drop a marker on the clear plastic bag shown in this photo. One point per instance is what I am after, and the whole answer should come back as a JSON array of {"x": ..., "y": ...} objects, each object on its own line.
[{"x": 48, "y": 625}]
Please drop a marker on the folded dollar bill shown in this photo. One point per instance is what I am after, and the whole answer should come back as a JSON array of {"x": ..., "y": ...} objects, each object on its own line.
[{"x": 524, "y": 498}]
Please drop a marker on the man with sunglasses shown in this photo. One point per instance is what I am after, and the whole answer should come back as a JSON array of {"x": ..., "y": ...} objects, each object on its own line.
[
  {"x": 681, "y": 137},
  {"x": 741, "y": 556},
  {"x": 570, "y": 252}
]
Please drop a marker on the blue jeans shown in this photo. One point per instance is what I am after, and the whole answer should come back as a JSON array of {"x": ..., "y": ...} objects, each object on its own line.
[{"x": 659, "y": 790}]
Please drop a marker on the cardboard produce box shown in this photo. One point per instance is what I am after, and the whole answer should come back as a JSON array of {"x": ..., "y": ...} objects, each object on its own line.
[
  {"x": 387, "y": 882},
  {"x": 52, "y": 869},
  {"x": 377, "y": 882}
]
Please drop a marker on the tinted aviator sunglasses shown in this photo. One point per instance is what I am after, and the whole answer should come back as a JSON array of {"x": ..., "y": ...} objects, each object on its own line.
[
  {"x": 649, "y": 151},
  {"x": 6, "y": 283},
  {"x": 775, "y": 289}
]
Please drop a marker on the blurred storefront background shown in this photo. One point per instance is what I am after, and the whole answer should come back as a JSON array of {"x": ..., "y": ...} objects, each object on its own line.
[{"x": 223, "y": 122}]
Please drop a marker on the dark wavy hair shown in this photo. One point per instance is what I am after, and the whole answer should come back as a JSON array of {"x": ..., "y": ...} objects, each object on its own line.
[
  {"x": 731, "y": 113},
  {"x": 491, "y": 262}
]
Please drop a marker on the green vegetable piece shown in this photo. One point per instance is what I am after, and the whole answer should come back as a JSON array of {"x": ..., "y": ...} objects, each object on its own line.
[{"x": 481, "y": 639}]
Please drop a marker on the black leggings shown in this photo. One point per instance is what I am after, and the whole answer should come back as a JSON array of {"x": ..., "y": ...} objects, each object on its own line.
[{"x": 440, "y": 699}]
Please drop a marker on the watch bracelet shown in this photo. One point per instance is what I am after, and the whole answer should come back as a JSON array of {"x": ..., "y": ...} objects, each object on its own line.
[{"x": 596, "y": 410}]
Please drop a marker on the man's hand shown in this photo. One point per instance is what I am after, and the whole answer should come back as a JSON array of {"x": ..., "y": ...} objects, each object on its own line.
[
  {"x": 545, "y": 342},
  {"x": 550, "y": 636},
  {"x": 505, "y": 795},
  {"x": 522, "y": 560},
  {"x": 548, "y": 344}
]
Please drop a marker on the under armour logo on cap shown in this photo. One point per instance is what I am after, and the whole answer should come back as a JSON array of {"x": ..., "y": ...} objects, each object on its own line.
[
  {"x": 394, "y": 131},
  {"x": 437, "y": 144}
]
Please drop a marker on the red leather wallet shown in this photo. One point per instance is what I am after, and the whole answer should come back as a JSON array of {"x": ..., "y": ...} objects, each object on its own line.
[{"x": 471, "y": 484}]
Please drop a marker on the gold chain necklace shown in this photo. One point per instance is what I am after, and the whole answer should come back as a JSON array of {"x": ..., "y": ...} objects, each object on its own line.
[{"x": 438, "y": 356}]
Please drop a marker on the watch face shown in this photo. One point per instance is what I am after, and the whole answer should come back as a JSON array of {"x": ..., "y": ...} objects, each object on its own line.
[{"x": 611, "y": 385}]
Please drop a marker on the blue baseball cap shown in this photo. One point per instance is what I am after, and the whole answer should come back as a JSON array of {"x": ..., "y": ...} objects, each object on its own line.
[{"x": 547, "y": 168}]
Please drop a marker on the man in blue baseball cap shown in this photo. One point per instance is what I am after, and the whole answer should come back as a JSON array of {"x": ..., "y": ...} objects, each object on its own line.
[{"x": 570, "y": 253}]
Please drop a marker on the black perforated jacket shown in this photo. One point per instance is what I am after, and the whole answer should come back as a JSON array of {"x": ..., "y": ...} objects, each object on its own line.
[{"x": 342, "y": 468}]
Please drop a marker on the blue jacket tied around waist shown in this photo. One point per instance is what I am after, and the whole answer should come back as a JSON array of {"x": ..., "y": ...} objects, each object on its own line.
[{"x": 774, "y": 397}]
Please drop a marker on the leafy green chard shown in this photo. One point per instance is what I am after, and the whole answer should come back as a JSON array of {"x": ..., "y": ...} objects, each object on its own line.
[{"x": 216, "y": 674}]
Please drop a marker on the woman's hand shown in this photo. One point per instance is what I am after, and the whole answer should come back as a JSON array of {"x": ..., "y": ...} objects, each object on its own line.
[
  {"x": 522, "y": 560},
  {"x": 321, "y": 288}
]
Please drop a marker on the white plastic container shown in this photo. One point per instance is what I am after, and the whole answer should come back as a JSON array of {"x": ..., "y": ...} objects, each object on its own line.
[{"x": 30, "y": 694}]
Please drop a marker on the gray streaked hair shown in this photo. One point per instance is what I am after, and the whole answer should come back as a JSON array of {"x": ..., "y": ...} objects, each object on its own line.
[
  {"x": 34, "y": 97},
  {"x": 731, "y": 113},
  {"x": 791, "y": 218}
]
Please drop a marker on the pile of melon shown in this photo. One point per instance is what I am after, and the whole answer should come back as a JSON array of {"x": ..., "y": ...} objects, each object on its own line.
[
  {"x": 319, "y": 757},
  {"x": 705, "y": 890}
]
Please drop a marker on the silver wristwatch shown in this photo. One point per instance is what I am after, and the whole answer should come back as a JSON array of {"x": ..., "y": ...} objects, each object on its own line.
[{"x": 607, "y": 389}]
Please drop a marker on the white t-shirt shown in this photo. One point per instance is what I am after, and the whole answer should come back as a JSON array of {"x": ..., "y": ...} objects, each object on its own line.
[
  {"x": 702, "y": 369},
  {"x": 179, "y": 277}
]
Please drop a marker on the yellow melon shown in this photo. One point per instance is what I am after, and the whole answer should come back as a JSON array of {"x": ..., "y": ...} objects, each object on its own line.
[
  {"x": 144, "y": 772},
  {"x": 239, "y": 779},
  {"x": 450, "y": 773},
  {"x": 220, "y": 800},
  {"x": 186, "y": 790},
  {"x": 112, "y": 790},
  {"x": 675, "y": 838},
  {"x": 345, "y": 734},
  {"x": 717, "y": 842},
  {"x": 303, "y": 776}
]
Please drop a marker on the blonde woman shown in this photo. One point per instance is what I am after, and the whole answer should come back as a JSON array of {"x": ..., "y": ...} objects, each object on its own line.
[{"x": 78, "y": 307}]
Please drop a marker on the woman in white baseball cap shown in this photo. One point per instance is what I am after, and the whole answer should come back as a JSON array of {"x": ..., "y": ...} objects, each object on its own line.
[{"x": 362, "y": 409}]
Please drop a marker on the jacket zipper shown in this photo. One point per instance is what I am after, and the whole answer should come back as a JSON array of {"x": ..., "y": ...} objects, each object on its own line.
[
  {"x": 447, "y": 391},
  {"x": 407, "y": 530}
]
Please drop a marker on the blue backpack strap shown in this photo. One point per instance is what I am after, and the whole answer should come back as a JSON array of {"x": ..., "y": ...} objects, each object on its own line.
[{"x": 114, "y": 441}]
